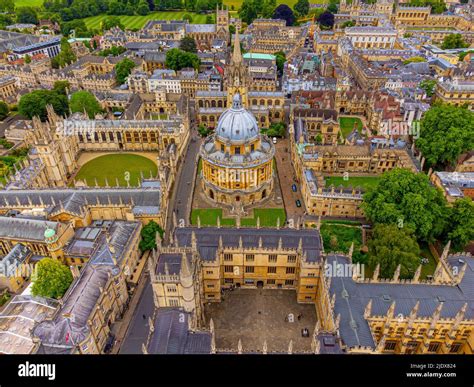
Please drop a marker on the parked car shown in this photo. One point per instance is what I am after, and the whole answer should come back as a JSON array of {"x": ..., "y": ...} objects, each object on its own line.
[
  {"x": 298, "y": 203},
  {"x": 293, "y": 188},
  {"x": 274, "y": 140}
]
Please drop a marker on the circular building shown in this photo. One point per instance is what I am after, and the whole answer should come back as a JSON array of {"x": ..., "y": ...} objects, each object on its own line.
[{"x": 237, "y": 166}]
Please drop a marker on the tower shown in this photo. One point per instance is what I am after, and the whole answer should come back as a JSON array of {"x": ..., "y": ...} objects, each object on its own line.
[
  {"x": 237, "y": 78},
  {"x": 54, "y": 246},
  {"x": 222, "y": 23}
]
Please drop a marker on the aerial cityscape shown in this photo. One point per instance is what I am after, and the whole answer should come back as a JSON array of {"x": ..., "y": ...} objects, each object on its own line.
[{"x": 236, "y": 177}]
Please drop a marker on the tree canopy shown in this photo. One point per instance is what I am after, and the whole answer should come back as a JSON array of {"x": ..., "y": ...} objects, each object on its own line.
[
  {"x": 148, "y": 235},
  {"x": 429, "y": 86},
  {"x": 284, "y": 12},
  {"x": 51, "y": 279},
  {"x": 3, "y": 110},
  {"x": 446, "y": 132},
  {"x": 188, "y": 44},
  {"x": 61, "y": 87},
  {"x": 326, "y": 20},
  {"x": 26, "y": 15},
  {"x": 391, "y": 246},
  {"x": 280, "y": 58},
  {"x": 34, "y": 103},
  {"x": 461, "y": 223},
  {"x": 177, "y": 59},
  {"x": 302, "y": 7},
  {"x": 65, "y": 57},
  {"x": 248, "y": 11},
  {"x": 123, "y": 70},
  {"x": 453, "y": 41},
  {"x": 84, "y": 101},
  {"x": 407, "y": 200}
]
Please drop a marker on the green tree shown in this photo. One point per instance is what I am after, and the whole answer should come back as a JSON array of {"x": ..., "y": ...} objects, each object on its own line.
[
  {"x": 65, "y": 57},
  {"x": 429, "y": 86},
  {"x": 446, "y": 132},
  {"x": 51, "y": 279},
  {"x": 280, "y": 58},
  {"x": 111, "y": 21},
  {"x": 27, "y": 59},
  {"x": 302, "y": 7},
  {"x": 84, "y": 101},
  {"x": 203, "y": 131},
  {"x": 177, "y": 59},
  {"x": 3, "y": 110},
  {"x": 188, "y": 17},
  {"x": 461, "y": 223},
  {"x": 286, "y": 13},
  {"x": 391, "y": 246},
  {"x": 248, "y": 11},
  {"x": 407, "y": 200},
  {"x": 332, "y": 7},
  {"x": 143, "y": 8},
  {"x": 326, "y": 20},
  {"x": 453, "y": 41},
  {"x": 7, "y": 5},
  {"x": 188, "y": 44},
  {"x": 34, "y": 104},
  {"x": 148, "y": 235},
  {"x": 61, "y": 87},
  {"x": 26, "y": 15},
  {"x": 123, "y": 70}
]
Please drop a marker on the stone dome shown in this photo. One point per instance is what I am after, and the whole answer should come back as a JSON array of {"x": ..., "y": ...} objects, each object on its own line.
[{"x": 237, "y": 125}]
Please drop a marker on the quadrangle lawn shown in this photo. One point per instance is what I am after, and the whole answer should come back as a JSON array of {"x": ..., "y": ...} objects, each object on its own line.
[
  {"x": 28, "y": 3},
  {"x": 268, "y": 217},
  {"x": 137, "y": 21},
  {"x": 365, "y": 182},
  {"x": 347, "y": 125},
  {"x": 115, "y": 166}
]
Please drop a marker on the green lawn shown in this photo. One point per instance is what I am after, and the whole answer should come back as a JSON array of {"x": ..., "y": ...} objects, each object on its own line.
[
  {"x": 430, "y": 267},
  {"x": 268, "y": 217},
  {"x": 28, "y": 3},
  {"x": 339, "y": 238},
  {"x": 130, "y": 22},
  {"x": 365, "y": 182},
  {"x": 347, "y": 125},
  {"x": 115, "y": 166}
]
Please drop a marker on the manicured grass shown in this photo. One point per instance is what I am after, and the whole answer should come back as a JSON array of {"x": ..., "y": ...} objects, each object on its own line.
[
  {"x": 347, "y": 125},
  {"x": 115, "y": 166},
  {"x": 208, "y": 217},
  {"x": 430, "y": 267},
  {"x": 136, "y": 21},
  {"x": 268, "y": 217},
  {"x": 339, "y": 238},
  {"x": 28, "y": 3},
  {"x": 365, "y": 182}
]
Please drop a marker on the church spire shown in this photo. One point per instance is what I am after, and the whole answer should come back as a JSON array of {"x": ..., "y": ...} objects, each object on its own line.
[{"x": 237, "y": 54}]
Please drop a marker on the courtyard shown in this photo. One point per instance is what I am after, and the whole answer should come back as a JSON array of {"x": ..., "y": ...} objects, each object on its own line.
[
  {"x": 115, "y": 167},
  {"x": 258, "y": 315}
]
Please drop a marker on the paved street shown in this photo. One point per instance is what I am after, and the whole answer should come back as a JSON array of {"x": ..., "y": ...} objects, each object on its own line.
[
  {"x": 286, "y": 176},
  {"x": 138, "y": 328},
  {"x": 183, "y": 188}
]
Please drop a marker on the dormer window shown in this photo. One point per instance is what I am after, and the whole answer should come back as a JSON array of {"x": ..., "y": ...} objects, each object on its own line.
[{"x": 237, "y": 150}]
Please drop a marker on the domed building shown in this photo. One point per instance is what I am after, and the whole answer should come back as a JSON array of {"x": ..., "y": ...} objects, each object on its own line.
[{"x": 237, "y": 166}]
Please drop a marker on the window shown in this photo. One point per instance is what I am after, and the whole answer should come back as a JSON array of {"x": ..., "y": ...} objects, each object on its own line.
[
  {"x": 227, "y": 257},
  {"x": 390, "y": 346},
  {"x": 228, "y": 280},
  {"x": 249, "y": 269},
  {"x": 289, "y": 282},
  {"x": 171, "y": 289},
  {"x": 271, "y": 282},
  {"x": 272, "y": 269},
  {"x": 311, "y": 274},
  {"x": 433, "y": 347},
  {"x": 291, "y": 258},
  {"x": 252, "y": 147},
  {"x": 228, "y": 269},
  {"x": 290, "y": 270},
  {"x": 222, "y": 148},
  {"x": 210, "y": 285},
  {"x": 310, "y": 287},
  {"x": 250, "y": 257},
  {"x": 209, "y": 272},
  {"x": 174, "y": 302},
  {"x": 455, "y": 347},
  {"x": 237, "y": 150}
]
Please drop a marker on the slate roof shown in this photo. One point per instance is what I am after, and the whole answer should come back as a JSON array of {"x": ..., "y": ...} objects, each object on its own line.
[
  {"x": 171, "y": 335},
  {"x": 82, "y": 296},
  {"x": 25, "y": 229},
  {"x": 208, "y": 239},
  {"x": 352, "y": 298},
  {"x": 73, "y": 200}
]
